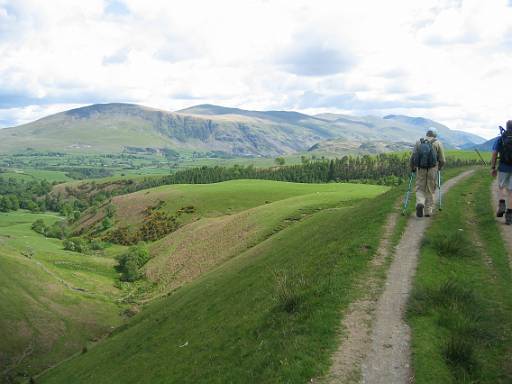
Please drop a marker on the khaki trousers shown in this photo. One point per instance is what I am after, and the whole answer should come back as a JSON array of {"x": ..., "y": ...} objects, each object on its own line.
[{"x": 426, "y": 183}]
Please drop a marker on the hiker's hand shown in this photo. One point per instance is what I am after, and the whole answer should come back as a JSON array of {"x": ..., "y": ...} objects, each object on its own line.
[{"x": 494, "y": 173}]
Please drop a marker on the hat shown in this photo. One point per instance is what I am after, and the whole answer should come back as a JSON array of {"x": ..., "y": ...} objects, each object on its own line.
[{"x": 432, "y": 131}]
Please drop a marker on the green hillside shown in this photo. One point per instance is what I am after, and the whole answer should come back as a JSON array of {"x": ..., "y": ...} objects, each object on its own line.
[
  {"x": 114, "y": 128},
  {"x": 53, "y": 302},
  {"x": 269, "y": 314}
]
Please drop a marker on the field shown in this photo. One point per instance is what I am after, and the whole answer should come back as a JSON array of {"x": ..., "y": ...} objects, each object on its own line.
[{"x": 53, "y": 302}]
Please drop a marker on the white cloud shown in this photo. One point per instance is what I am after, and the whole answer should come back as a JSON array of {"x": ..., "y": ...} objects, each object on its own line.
[{"x": 442, "y": 59}]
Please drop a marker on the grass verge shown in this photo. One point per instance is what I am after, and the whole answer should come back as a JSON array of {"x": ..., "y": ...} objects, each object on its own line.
[{"x": 460, "y": 311}]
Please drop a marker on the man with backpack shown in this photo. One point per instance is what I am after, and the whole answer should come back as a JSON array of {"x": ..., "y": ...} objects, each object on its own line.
[
  {"x": 503, "y": 147},
  {"x": 426, "y": 160}
]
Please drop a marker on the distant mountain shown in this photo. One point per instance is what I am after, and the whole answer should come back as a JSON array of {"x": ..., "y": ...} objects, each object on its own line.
[
  {"x": 486, "y": 146},
  {"x": 114, "y": 128},
  {"x": 344, "y": 147}
]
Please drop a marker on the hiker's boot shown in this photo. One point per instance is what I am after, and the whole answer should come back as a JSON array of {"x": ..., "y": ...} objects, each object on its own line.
[
  {"x": 502, "y": 208},
  {"x": 419, "y": 210},
  {"x": 508, "y": 217}
]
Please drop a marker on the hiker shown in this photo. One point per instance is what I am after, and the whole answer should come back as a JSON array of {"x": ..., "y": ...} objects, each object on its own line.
[
  {"x": 426, "y": 160},
  {"x": 503, "y": 147}
]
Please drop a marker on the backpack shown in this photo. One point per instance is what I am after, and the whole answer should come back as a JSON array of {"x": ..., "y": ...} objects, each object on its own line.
[
  {"x": 426, "y": 155},
  {"x": 506, "y": 148}
]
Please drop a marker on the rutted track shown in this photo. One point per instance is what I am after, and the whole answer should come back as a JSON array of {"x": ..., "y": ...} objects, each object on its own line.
[{"x": 388, "y": 359}]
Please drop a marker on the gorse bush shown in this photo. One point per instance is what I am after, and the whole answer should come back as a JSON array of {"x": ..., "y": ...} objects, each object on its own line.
[{"x": 155, "y": 225}]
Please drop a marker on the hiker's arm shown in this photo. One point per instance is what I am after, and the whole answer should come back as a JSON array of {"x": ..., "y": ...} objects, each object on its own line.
[
  {"x": 494, "y": 159},
  {"x": 441, "y": 159},
  {"x": 412, "y": 161}
]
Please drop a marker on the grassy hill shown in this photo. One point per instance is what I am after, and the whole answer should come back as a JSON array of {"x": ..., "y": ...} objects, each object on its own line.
[
  {"x": 268, "y": 313},
  {"x": 114, "y": 128},
  {"x": 224, "y": 220},
  {"x": 53, "y": 302}
]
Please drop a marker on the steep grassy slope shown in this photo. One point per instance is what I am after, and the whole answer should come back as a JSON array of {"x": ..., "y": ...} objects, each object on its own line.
[
  {"x": 198, "y": 247},
  {"x": 268, "y": 315},
  {"x": 52, "y": 301},
  {"x": 107, "y": 128}
]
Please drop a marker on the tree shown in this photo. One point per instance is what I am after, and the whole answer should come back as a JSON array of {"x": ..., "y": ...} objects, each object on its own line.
[
  {"x": 131, "y": 261},
  {"x": 106, "y": 223},
  {"x": 280, "y": 160},
  {"x": 110, "y": 211},
  {"x": 39, "y": 226}
]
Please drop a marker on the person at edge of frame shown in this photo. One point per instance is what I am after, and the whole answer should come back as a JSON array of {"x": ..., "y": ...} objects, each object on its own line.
[{"x": 502, "y": 151}]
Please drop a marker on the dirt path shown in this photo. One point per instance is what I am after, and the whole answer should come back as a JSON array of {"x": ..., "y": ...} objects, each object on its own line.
[
  {"x": 347, "y": 359},
  {"x": 506, "y": 230},
  {"x": 388, "y": 359}
]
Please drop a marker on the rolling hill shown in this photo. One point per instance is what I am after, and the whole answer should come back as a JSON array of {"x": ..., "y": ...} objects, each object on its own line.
[
  {"x": 114, "y": 128},
  {"x": 266, "y": 308}
]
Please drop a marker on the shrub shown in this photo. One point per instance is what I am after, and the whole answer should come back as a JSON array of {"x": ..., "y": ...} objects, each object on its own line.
[
  {"x": 76, "y": 244},
  {"x": 131, "y": 261},
  {"x": 39, "y": 226},
  {"x": 124, "y": 236},
  {"x": 97, "y": 245},
  {"x": 106, "y": 223},
  {"x": 58, "y": 230},
  {"x": 156, "y": 225}
]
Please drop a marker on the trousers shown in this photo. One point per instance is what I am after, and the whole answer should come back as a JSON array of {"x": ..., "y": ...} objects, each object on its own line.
[{"x": 426, "y": 183}]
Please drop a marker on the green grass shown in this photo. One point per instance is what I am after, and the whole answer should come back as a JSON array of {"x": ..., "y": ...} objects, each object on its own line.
[
  {"x": 44, "y": 315},
  {"x": 211, "y": 200},
  {"x": 210, "y": 241},
  {"x": 460, "y": 311},
  {"x": 268, "y": 315}
]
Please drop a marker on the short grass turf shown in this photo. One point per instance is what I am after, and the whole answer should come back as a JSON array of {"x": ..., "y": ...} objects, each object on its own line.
[
  {"x": 269, "y": 315},
  {"x": 44, "y": 316},
  {"x": 460, "y": 311},
  {"x": 210, "y": 200}
]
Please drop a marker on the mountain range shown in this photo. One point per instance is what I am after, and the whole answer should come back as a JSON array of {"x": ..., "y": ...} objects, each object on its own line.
[{"x": 118, "y": 127}]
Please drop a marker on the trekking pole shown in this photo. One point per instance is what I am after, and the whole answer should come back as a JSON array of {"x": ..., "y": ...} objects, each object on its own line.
[
  {"x": 440, "y": 201},
  {"x": 481, "y": 158},
  {"x": 406, "y": 199}
]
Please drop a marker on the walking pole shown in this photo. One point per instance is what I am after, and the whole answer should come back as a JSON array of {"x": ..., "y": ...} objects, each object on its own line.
[
  {"x": 440, "y": 201},
  {"x": 406, "y": 199},
  {"x": 481, "y": 158}
]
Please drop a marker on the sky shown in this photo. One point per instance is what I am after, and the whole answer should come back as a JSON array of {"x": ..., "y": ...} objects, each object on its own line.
[{"x": 448, "y": 60}]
